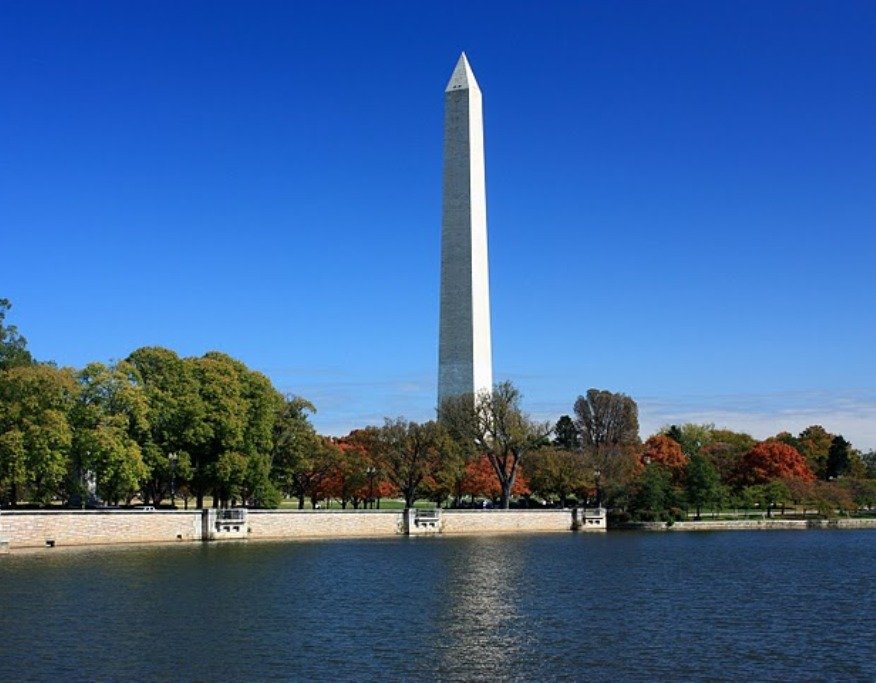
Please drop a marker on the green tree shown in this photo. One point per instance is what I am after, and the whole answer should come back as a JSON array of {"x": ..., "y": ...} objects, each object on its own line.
[
  {"x": 813, "y": 443},
  {"x": 13, "y": 471},
  {"x": 110, "y": 421},
  {"x": 177, "y": 419},
  {"x": 13, "y": 347},
  {"x": 691, "y": 437},
  {"x": 300, "y": 458},
  {"x": 410, "y": 453},
  {"x": 862, "y": 491},
  {"x": 788, "y": 438},
  {"x": 869, "y": 461},
  {"x": 448, "y": 478},
  {"x": 654, "y": 497},
  {"x": 839, "y": 458},
  {"x": 112, "y": 457},
  {"x": 241, "y": 408},
  {"x": 609, "y": 427},
  {"x": 768, "y": 495},
  {"x": 228, "y": 477},
  {"x": 557, "y": 473},
  {"x": 566, "y": 434},
  {"x": 702, "y": 482},
  {"x": 263, "y": 401},
  {"x": 35, "y": 434},
  {"x": 494, "y": 424},
  {"x": 225, "y": 407},
  {"x": 726, "y": 450},
  {"x": 258, "y": 489},
  {"x": 458, "y": 417}
]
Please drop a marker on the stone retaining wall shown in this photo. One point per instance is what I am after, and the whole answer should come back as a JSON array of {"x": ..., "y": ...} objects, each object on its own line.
[
  {"x": 37, "y": 528},
  {"x": 856, "y": 523},
  {"x": 323, "y": 523},
  {"x": 30, "y": 529},
  {"x": 740, "y": 525},
  {"x": 500, "y": 521},
  {"x": 752, "y": 525},
  {"x": 347, "y": 523}
]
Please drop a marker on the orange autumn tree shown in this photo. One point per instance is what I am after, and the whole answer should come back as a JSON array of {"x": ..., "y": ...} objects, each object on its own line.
[
  {"x": 667, "y": 452},
  {"x": 362, "y": 447},
  {"x": 347, "y": 480},
  {"x": 480, "y": 480},
  {"x": 771, "y": 460}
]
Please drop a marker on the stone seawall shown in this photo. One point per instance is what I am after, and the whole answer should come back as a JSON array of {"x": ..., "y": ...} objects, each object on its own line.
[
  {"x": 740, "y": 525},
  {"x": 31, "y": 529},
  {"x": 751, "y": 525},
  {"x": 38, "y": 528},
  {"x": 855, "y": 523},
  {"x": 502, "y": 521},
  {"x": 323, "y": 523},
  {"x": 347, "y": 523}
]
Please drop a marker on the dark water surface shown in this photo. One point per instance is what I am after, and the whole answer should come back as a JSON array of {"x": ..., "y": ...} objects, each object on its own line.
[{"x": 621, "y": 606}]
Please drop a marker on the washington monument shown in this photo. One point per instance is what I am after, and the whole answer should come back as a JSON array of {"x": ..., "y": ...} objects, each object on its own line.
[{"x": 465, "y": 361}]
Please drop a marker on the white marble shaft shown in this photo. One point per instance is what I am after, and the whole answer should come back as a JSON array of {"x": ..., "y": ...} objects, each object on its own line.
[{"x": 465, "y": 363}]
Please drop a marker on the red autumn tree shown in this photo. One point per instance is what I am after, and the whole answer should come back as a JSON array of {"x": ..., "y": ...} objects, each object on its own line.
[
  {"x": 362, "y": 447},
  {"x": 665, "y": 451},
  {"x": 480, "y": 480},
  {"x": 347, "y": 480},
  {"x": 770, "y": 460}
]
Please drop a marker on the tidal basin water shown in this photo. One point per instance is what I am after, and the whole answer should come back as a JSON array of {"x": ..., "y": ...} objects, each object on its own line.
[{"x": 620, "y": 606}]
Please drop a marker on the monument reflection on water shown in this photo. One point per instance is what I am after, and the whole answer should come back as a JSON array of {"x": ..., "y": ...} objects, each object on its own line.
[
  {"x": 486, "y": 587},
  {"x": 736, "y": 605}
]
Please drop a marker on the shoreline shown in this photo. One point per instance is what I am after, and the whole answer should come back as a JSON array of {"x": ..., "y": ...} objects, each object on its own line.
[
  {"x": 774, "y": 524},
  {"x": 34, "y": 531},
  {"x": 55, "y": 528}
]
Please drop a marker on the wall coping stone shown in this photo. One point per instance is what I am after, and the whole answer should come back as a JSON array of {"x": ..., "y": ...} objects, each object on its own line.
[
  {"x": 74, "y": 511},
  {"x": 324, "y": 512}
]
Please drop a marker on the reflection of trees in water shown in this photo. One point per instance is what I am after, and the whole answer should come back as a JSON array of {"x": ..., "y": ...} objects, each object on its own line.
[{"x": 481, "y": 621}]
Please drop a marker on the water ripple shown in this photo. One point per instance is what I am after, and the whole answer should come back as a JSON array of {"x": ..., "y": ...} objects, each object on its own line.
[{"x": 768, "y": 606}]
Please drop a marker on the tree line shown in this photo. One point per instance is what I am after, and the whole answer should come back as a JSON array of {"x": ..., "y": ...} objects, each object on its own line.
[
  {"x": 156, "y": 427},
  {"x": 691, "y": 467}
]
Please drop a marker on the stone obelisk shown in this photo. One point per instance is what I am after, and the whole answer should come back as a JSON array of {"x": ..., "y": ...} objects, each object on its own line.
[{"x": 465, "y": 361}]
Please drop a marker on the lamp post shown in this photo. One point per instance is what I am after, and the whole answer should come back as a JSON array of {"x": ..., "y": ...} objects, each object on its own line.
[
  {"x": 371, "y": 472},
  {"x": 173, "y": 457},
  {"x": 597, "y": 475}
]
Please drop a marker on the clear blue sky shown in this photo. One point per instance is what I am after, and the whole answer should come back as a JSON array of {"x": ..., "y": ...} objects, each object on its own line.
[{"x": 682, "y": 197}]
